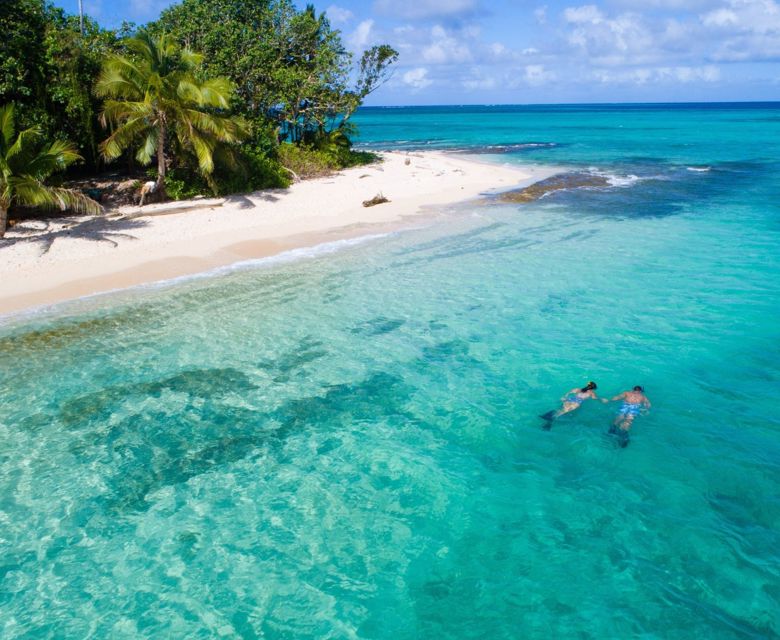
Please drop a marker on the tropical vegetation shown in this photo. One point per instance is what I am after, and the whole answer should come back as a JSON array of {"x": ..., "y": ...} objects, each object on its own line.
[
  {"x": 155, "y": 101},
  {"x": 25, "y": 163},
  {"x": 218, "y": 95}
]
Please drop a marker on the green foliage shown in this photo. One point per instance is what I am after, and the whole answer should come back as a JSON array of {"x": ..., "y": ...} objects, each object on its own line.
[
  {"x": 157, "y": 104},
  {"x": 26, "y": 162},
  {"x": 184, "y": 183},
  {"x": 306, "y": 162},
  {"x": 289, "y": 77},
  {"x": 287, "y": 65},
  {"x": 23, "y": 25},
  {"x": 253, "y": 171},
  {"x": 313, "y": 162},
  {"x": 47, "y": 69}
]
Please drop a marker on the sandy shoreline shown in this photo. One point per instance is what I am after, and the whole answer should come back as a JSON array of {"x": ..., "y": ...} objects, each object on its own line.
[{"x": 46, "y": 262}]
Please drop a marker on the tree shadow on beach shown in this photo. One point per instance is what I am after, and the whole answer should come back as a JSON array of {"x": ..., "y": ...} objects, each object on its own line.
[
  {"x": 248, "y": 201},
  {"x": 46, "y": 232}
]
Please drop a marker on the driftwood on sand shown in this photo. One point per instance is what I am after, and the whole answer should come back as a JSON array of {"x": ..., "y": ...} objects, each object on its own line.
[{"x": 377, "y": 199}]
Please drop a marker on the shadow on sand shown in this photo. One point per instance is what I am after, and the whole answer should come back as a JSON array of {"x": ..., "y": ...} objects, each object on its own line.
[{"x": 45, "y": 232}]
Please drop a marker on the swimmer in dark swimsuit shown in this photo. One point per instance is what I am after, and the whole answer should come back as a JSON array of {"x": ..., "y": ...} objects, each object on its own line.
[
  {"x": 571, "y": 401},
  {"x": 635, "y": 402}
]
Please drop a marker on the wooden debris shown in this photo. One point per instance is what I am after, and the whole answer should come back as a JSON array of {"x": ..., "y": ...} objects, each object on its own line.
[{"x": 377, "y": 199}]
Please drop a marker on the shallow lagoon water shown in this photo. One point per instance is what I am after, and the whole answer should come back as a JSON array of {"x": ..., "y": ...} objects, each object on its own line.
[{"x": 348, "y": 444}]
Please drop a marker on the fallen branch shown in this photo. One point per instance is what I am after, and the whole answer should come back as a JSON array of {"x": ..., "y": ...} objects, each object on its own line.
[
  {"x": 295, "y": 176},
  {"x": 377, "y": 199}
]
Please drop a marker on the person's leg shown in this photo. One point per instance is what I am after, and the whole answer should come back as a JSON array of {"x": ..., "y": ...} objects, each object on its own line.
[{"x": 566, "y": 408}]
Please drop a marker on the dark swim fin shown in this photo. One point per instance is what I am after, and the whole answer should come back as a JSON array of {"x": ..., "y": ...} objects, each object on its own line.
[
  {"x": 548, "y": 418},
  {"x": 621, "y": 435}
]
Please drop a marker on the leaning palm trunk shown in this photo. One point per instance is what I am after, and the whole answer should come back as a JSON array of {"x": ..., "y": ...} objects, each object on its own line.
[
  {"x": 3, "y": 221},
  {"x": 160, "y": 188}
]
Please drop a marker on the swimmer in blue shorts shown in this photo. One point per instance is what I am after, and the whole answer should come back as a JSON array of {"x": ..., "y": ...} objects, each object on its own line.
[
  {"x": 635, "y": 402},
  {"x": 571, "y": 401}
]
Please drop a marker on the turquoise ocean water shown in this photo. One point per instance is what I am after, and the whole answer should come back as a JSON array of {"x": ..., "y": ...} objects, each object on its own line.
[{"x": 345, "y": 443}]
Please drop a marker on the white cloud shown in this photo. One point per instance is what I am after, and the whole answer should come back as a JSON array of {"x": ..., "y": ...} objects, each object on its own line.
[
  {"x": 540, "y": 13},
  {"x": 421, "y": 9},
  {"x": 339, "y": 15},
  {"x": 417, "y": 78},
  {"x": 362, "y": 35},
  {"x": 444, "y": 49},
  {"x": 587, "y": 14},
  {"x": 498, "y": 50},
  {"x": 745, "y": 30},
  {"x": 623, "y": 39},
  {"x": 720, "y": 18},
  {"x": 479, "y": 81},
  {"x": 678, "y": 74},
  {"x": 536, "y": 74},
  {"x": 756, "y": 16}
]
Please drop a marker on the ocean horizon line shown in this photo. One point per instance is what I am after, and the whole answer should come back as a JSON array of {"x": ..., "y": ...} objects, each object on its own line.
[{"x": 745, "y": 103}]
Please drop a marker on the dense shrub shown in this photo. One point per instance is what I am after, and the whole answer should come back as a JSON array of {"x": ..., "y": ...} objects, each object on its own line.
[
  {"x": 252, "y": 170},
  {"x": 310, "y": 162}
]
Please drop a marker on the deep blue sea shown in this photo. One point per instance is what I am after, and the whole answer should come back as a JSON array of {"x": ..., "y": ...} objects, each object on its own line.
[{"x": 345, "y": 443}]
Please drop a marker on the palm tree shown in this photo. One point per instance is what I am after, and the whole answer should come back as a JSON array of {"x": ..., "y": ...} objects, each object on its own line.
[
  {"x": 24, "y": 166},
  {"x": 156, "y": 101}
]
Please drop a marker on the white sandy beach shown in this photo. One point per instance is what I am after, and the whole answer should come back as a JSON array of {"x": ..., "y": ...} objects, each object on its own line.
[{"x": 45, "y": 262}]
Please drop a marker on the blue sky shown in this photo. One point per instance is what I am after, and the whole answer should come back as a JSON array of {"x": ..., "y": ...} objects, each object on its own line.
[{"x": 526, "y": 51}]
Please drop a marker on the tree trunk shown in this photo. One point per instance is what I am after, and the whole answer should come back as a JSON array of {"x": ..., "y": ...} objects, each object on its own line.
[
  {"x": 3, "y": 220},
  {"x": 160, "y": 188}
]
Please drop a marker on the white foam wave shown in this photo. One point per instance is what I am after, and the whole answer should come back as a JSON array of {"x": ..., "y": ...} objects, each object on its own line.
[
  {"x": 622, "y": 181},
  {"x": 698, "y": 169},
  {"x": 615, "y": 180},
  {"x": 286, "y": 257}
]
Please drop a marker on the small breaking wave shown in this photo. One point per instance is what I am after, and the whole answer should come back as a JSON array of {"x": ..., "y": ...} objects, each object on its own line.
[
  {"x": 285, "y": 257},
  {"x": 512, "y": 147},
  {"x": 699, "y": 169},
  {"x": 615, "y": 180}
]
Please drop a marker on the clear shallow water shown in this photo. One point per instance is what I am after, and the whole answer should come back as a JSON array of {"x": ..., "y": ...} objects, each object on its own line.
[{"x": 348, "y": 445}]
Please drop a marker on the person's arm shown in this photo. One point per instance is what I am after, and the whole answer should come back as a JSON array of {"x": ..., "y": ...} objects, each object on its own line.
[
  {"x": 618, "y": 397},
  {"x": 567, "y": 394},
  {"x": 646, "y": 402}
]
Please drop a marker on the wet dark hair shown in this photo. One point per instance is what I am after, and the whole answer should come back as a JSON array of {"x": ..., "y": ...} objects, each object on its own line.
[
  {"x": 589, "y": 386},
  {"x": 639, "y": 388}
]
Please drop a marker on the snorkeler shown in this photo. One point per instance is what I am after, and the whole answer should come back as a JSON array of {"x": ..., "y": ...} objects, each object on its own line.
[
  {"x": 571, "y": 401},
  {"x": 634, "y": 403}
]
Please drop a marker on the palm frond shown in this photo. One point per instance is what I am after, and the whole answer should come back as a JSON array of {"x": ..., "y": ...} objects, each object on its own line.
[
  {"x": 204, "y": 152},
  {"x": 216, "y": 92},
  {"x": 148, "y": 147},
  {"x": 120, "y": 77},
  {"x": 117, "y": 111},
  {"x": 23, "y": 145},
  {"x": 7, "y": 128},
  {"x": 191, "y": 59},
  {"x": 122, "y": 137},
  {"x": 75, "y": 201},
  {"x": 56, "y": 157},
  {"x": 29, "y": 191},
  {"x": 225, "y": 129}
]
